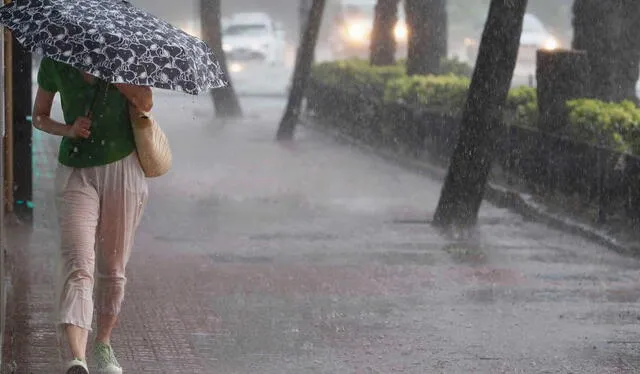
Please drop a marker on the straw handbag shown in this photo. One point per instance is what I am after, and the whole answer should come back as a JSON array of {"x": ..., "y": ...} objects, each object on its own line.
[{"x": 152, "y": 144}]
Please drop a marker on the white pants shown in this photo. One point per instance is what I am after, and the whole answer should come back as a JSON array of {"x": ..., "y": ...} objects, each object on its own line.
[{"x": 99, "y": 211}]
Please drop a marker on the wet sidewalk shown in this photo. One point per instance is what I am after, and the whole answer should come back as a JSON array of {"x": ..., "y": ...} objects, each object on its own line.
[{"x": 254, "y": 257}]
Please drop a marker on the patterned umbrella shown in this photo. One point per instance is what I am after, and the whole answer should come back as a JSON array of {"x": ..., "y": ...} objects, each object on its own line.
[{"x": 114, "y": 41}]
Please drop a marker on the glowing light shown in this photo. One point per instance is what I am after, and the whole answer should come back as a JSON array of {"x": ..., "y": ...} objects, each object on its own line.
[
  {"x": 401, "y": 31},
  {"x": 551, "y": 44},
  {"x": 358, "y": 32},
  {"x": 236, "y": 67}
]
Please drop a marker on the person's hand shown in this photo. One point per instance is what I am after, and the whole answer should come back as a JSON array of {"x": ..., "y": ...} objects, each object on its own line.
[
  {"x": 139, "y": 96},
  {"x": 81, "y": 128}
]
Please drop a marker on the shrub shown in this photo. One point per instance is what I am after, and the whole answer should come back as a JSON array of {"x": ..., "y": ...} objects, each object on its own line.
[
  {"x": 521, "y": 108},
  {"x": 357, "y": 75},
  {"x": 450, "y": 66},
  {"x": 447, "y": 92},
  {"x": 609, "y": 125},
  {"x": 456, "y": 67}
]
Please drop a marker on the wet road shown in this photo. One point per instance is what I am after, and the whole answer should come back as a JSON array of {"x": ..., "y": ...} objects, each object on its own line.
[{"x": 255, "y": 257}]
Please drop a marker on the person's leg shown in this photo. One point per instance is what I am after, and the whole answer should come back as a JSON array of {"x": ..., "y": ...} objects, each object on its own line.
[
  {"x": 77, "y": 337},
  {"x": 123, "y": 196},
  {"x": 78, "y": 205}
]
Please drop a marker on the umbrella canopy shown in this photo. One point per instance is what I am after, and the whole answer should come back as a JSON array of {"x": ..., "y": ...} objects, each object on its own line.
[{"x": 114, "y": 41}]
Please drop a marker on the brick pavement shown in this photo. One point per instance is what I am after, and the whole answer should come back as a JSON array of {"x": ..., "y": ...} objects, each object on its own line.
[{"x": 312, "y": 258}]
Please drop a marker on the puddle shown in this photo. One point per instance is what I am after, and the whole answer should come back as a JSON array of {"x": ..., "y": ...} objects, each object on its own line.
[
  {"x": 462, "y": 253},
  {"x": 219, "y": 258}
]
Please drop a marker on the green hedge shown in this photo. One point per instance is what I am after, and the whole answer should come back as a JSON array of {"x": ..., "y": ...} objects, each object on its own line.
[
  {"x": 446, "y": 92},
  {"x": 450, "y": 66},
  {"x": 357, "y": 75},
  {"x": 611, "y": 125},
  {"x": 521, "y": 108}
]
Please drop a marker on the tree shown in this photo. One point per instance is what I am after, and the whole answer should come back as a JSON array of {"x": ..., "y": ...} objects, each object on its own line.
[
  {"x": 383, "y": 41},
  {"x": 225, "y": 99},
  {"x": 628, "y": 64},
  {"x": 427, "y": 22},
  {"x": 606, "y": 30},
  {"x": 304, "y": 59},
  {"x": 304, "y": 9},
  {"x": 468, "y": 173}
]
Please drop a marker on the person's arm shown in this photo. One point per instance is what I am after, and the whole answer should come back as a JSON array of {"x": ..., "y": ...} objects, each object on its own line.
[
  {"x": 42, "y": 118},
  {"x": 140, "y": 96},
  {"x": 42, "y": 114}
]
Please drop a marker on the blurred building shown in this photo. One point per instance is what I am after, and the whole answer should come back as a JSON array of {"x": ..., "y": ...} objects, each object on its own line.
[{"x": 185, "y": 13}]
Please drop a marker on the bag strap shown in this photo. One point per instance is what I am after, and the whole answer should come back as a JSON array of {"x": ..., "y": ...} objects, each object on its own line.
[{"x": 96, "y": 96}]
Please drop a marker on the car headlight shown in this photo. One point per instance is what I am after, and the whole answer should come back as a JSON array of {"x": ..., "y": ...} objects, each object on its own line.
[
  {"x": 401, "y": 31},
  {"x": 358, "y": 32},
  {"x": 236, "y": 67},
  {"x": 551, "y": 44},
  {"x": 226, "y": 47}
]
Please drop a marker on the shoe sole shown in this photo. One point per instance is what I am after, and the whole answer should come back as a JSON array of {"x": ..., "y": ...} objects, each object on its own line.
[
  {"x": 108, "y": 371},
  {"x": 77, "y": 370}
]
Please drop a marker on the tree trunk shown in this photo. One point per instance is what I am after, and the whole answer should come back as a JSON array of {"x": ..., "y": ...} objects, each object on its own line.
[
  {"x": 468, "y": 173},
  {"x": 304, "y": 9},
  {"x": 427, "y": 22},
  {"x": 629, "y": 62},
  {"x": 606, "y": 30},
  {"x": 561, "y": 76},
  {"x": 383, "y": 40},
  {"x": 225, "y": 100},
  {"x": 304, "y": 59}
]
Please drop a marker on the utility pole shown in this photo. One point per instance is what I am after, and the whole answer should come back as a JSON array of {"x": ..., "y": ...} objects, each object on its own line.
[
  {"x": 17, "y": 150},
  {"x": 22, "y": 132},
  {"x": 8, "y": 123},
  {"x": 3, "y": 284}
]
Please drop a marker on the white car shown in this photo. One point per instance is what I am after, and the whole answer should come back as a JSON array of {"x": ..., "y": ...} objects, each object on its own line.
[
  {"x": 253, "y": 37},
  {"x": 534, "y": 36},
  {"x": 351, "y": 23}
]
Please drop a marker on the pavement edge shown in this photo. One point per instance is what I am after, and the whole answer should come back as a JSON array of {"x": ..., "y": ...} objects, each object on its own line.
[{"x": 499, "y": 195}]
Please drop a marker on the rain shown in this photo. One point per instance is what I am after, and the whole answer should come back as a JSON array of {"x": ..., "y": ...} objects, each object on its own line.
[{"x": 322, "y": 186}]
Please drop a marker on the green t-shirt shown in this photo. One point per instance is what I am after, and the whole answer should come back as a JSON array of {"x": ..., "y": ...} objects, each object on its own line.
[{"x": 111, "y": 133}]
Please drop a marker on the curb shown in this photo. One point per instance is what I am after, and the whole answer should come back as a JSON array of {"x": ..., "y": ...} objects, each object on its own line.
[{"x": 522, "y": 204}]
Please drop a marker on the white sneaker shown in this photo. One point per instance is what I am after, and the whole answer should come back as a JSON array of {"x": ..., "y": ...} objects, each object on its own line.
[
  {"x": 76, "y": 366},
  {"x": 105, "y": 360}
]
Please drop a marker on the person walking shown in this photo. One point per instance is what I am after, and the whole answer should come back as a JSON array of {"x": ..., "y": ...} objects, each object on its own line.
[
  {"x": 101, "y": 192},
  {"x": 103, "y": 68}
]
